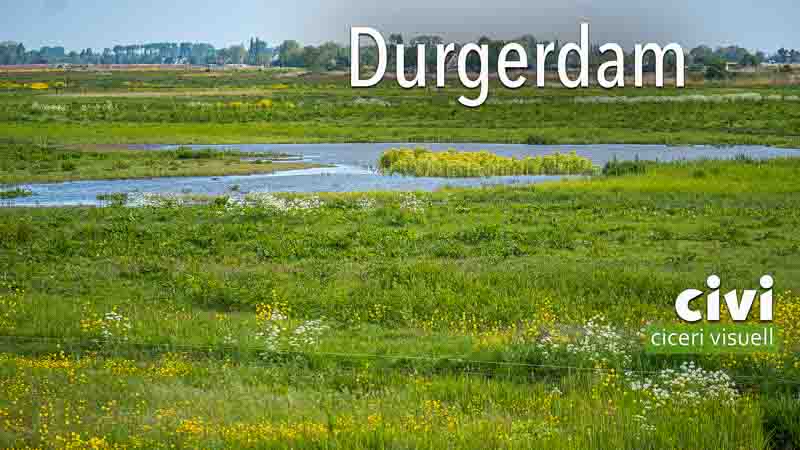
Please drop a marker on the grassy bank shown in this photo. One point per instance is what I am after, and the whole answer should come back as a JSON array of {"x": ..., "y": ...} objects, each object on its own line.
[
  {"x": 463, "y": 318},
  {"x": 20, "y": 163},
  {"x": 14, "y": 193}
]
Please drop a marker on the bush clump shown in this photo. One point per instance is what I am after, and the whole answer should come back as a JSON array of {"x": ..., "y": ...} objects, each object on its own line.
[
  {"x": 421, "y": 162},
  {"x": 15, "y": 193},
  {"x": 620, "y": 168},
  {"x": 189, "y": 153}
]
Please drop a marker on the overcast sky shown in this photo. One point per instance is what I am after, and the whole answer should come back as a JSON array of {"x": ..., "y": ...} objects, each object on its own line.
[{"x": 76, "y": 24}]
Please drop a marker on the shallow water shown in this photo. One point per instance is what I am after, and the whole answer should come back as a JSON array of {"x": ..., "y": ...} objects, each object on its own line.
[{"x": 353, "y": 170}]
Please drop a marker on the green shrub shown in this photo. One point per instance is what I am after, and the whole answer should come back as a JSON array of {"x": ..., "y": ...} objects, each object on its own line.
[
  {"x": 534, "y": 139},
  {"x": 188, "y": 153},
  {"x": 68, "y": 166},
  {"x": 116, "y": 198},
  {"x": 619, "y": 168}
]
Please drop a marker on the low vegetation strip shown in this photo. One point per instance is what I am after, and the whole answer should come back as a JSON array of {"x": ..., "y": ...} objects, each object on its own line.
[
  {"x": 696, "y": 98},
  {"x": 25, "y": 163},
  {"x": 421, "y": 162}
]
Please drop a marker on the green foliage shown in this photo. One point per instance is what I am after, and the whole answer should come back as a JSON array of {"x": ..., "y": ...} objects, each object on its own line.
[
  {"x": 116, "y": 198},
  {"x": 537, "y": 140},
  {"x": 716, "y": 70},
  {"x": 618, "y": 168},
  {"x": 782, "y": 421}
]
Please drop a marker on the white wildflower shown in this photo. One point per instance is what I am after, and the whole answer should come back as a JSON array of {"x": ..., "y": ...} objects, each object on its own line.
[
  {"x": 152, "y": 200},
  {"x": 601, "y": 343},
  {"x": 44, "y": 107},
  {"x": 270, "y": 202},
  {"x": 411, "y": 202},
  {"x": 279, "y": 334},
  {"x": 689, "y": 386},
  {"x": 365, "y": 101},
  {"x": 365, "y": 203},
  {"x": 114, "y": 327}
]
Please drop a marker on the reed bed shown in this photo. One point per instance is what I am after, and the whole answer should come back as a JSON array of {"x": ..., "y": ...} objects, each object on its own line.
[{"x": 421, "y": 162}]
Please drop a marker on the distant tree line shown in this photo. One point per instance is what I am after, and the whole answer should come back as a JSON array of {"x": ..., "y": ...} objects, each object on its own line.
[
  {"x": 332, "y": 56},
  {"x": 733, "y": 54},
  {"x": 327, "y": 56}
]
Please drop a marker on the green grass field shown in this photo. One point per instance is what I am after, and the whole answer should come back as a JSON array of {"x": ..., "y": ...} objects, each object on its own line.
[
  {"x": 208, "y": 108},
  {"x": 503, "y": 317}
]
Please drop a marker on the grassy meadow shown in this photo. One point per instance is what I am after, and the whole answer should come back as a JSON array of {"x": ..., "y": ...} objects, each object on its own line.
[
  {"x": 271, "y": 106},
  {"x": 497, "y": 317}
]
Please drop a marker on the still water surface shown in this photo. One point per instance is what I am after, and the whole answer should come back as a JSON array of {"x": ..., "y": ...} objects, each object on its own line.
[{"x": 353, "y": 170}]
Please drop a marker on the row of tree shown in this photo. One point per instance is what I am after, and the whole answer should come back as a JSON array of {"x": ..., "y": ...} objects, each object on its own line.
[
  {"x": 288, "y": 54},
  {"x": 706, "y": 55},
  {"x": 331, "y": 55}
]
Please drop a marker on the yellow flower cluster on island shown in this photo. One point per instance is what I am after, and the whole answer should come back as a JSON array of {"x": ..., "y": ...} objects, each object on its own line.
[{"x": 422, "y": 162}]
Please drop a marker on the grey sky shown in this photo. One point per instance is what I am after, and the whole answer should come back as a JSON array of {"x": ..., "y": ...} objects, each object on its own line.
[{"x": 77, "y": 24}]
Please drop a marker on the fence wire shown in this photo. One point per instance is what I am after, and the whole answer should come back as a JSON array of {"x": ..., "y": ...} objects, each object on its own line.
[{"x": 269, "y": 358}]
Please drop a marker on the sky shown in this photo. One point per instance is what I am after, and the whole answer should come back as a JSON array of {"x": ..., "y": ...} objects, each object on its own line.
[{"x": 78, "y": 24}]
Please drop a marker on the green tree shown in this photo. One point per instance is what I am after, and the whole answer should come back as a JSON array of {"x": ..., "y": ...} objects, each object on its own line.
[
  {"x": 290, "y": 54},
  {"x": 701, "y": 55},
  {"x": 394, "y": 40},
  {"x": 716, "y": 69},
  {"x": 749, "y": 60}
]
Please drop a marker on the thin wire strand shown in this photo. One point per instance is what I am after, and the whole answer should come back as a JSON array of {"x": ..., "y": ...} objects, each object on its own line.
[{"x": 433, "y": 359}]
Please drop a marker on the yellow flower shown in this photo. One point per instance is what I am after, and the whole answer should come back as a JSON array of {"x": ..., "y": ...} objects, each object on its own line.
[
  {"x": 193, "y": 427},
  {"x": 265, "y": 103}
]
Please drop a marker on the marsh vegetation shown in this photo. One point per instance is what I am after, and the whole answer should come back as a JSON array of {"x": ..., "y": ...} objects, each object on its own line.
[
  {"x": 27, "y": 163},
  {"x": 501, "y": 315},
  {"x": 504, "y": 317},
  {"x": 421, "y": 162}
]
